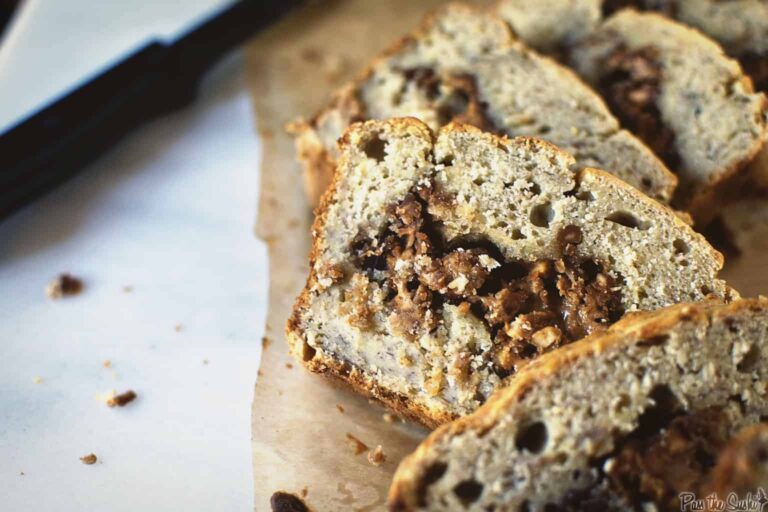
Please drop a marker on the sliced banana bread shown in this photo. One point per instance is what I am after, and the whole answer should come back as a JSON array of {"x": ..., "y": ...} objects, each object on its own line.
[
  {"x": 464, "y": 65},
  {"x": 678, "y": 91},
  {"x": 740, "y": 26},
  {"x": 622, "y": 420},
  {"x": 443, "y": 263}
]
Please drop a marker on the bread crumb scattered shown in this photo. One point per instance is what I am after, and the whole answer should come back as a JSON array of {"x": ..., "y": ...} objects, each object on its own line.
[
  {"x": 127, "y": 289},
  {"x": 37, "y": 380},
  {"x": 358, "y": 445},
  {"x": 265, "y": 343},
  {"x": 63, "y": 286},
  {"x": 205, "y": 361},
  {"x": 89, "y": 459},
  {"x": 288, "y": 365},
  {"x": 21, "y": 473},
  {"x": 107, "y": 363},
  {"x": 304, "y": 492},
  {"x": 340, "y": 408},
  {"x": 178, "y": 327},
  {"x": 376, "y": 456},
  {"x": 122, "y": 399}
]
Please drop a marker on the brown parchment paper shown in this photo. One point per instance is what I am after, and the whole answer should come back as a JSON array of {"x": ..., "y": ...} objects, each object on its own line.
[{"x": 299, "y": 433}]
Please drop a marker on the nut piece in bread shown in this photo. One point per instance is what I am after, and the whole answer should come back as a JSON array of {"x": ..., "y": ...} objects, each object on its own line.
[
  {"x": 623, "y": 420},
  {"x": 442, "y": 263},
  {"x": 464, "y": 65}
]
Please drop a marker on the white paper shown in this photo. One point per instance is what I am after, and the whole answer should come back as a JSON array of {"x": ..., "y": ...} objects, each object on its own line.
[{"x": 170, "y": 213}]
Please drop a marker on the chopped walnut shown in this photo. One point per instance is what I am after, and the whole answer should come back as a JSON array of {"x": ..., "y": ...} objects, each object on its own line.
[
  {"x": 89, "y": 459},
  {"x": 358, "y": 445},
  {"x": 376, "y": 456},
  {"x": 64, "y": 285},
  {"x": 122, "y": 399}
]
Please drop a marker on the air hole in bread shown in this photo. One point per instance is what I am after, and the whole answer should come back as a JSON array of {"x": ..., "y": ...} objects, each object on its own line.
[
  {"x": 654, "y": 341},
  {"x": 447, "y": 160},
  {"x": 662, "y": 409},
  {"x": 534, "y": 188},
  {"x": 750, "y": 360},
  {"x": 525, "y": 506},
  {"x": 432, "y": 474},
  {"x": 622, "y": 402},
  {"x": 307, "y": 352},
  {"x": 628, "y": 220},
  {"x": 468, "y": 491},
  {"x": 542, "y": 215},
  {"x": 532, "y": 437},
  {"x": 681, "y": 247},
  {"x": 518, "y": 235},
  {"x": 705, "y": 290},
  {"x": 375, "y": 148}
]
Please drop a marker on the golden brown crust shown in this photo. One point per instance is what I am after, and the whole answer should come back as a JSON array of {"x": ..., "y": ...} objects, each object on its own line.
[{"x": 628, "y": 331}]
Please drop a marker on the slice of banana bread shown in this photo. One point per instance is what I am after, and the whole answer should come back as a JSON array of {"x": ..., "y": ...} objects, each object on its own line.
[
  {"x": 677, "y": 90},
  {"x": 443, "y": 263},
  {"x": 623, "y": 420},
  {"x": 740, "y": 26},
  {"x": 464, "y": 65}
]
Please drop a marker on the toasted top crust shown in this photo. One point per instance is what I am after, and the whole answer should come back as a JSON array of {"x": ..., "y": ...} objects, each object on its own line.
[
  {"x": 464, "y": 65},
  {"x": 587, "y": 395},
  {"x": 704, "y": 98},
  {"x": 517, "y": 194}
]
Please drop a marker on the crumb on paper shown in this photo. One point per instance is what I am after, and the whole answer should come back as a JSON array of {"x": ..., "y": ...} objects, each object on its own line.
[
  {"x": 340, "y": 408},
  {"x": 282, "y": 501},
  {"x": 127, "y": 288},
  {"x": 289, "y": 365},
  {"x": 122, "y": 399},
  {"x": 358, "y": 445},
  {"x": 332, "y": 65},
  {"x": 259, "y": 373},
  {"x": 304, "y": 492},
  {"x": 265, "y": 343},
  {"x": 89, "y": 459},
  {"x": 205, "y": 361},
  {"x": 107, "y": 363},
  {"x": 63, "y": 286},
  {"x": 178, "y": 327},
  {"x": 21, "y": 473},
  {"x": 37, "y": 379},
  {"x": 266, "y": 133},
  {"x": 376, "y": 456},
  {"x": 388, "y": 417}
]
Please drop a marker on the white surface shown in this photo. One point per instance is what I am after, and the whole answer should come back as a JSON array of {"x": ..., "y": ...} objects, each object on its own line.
[
  {"x": 54, "y": 44},
  {"x": 169, "y": 212}
]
